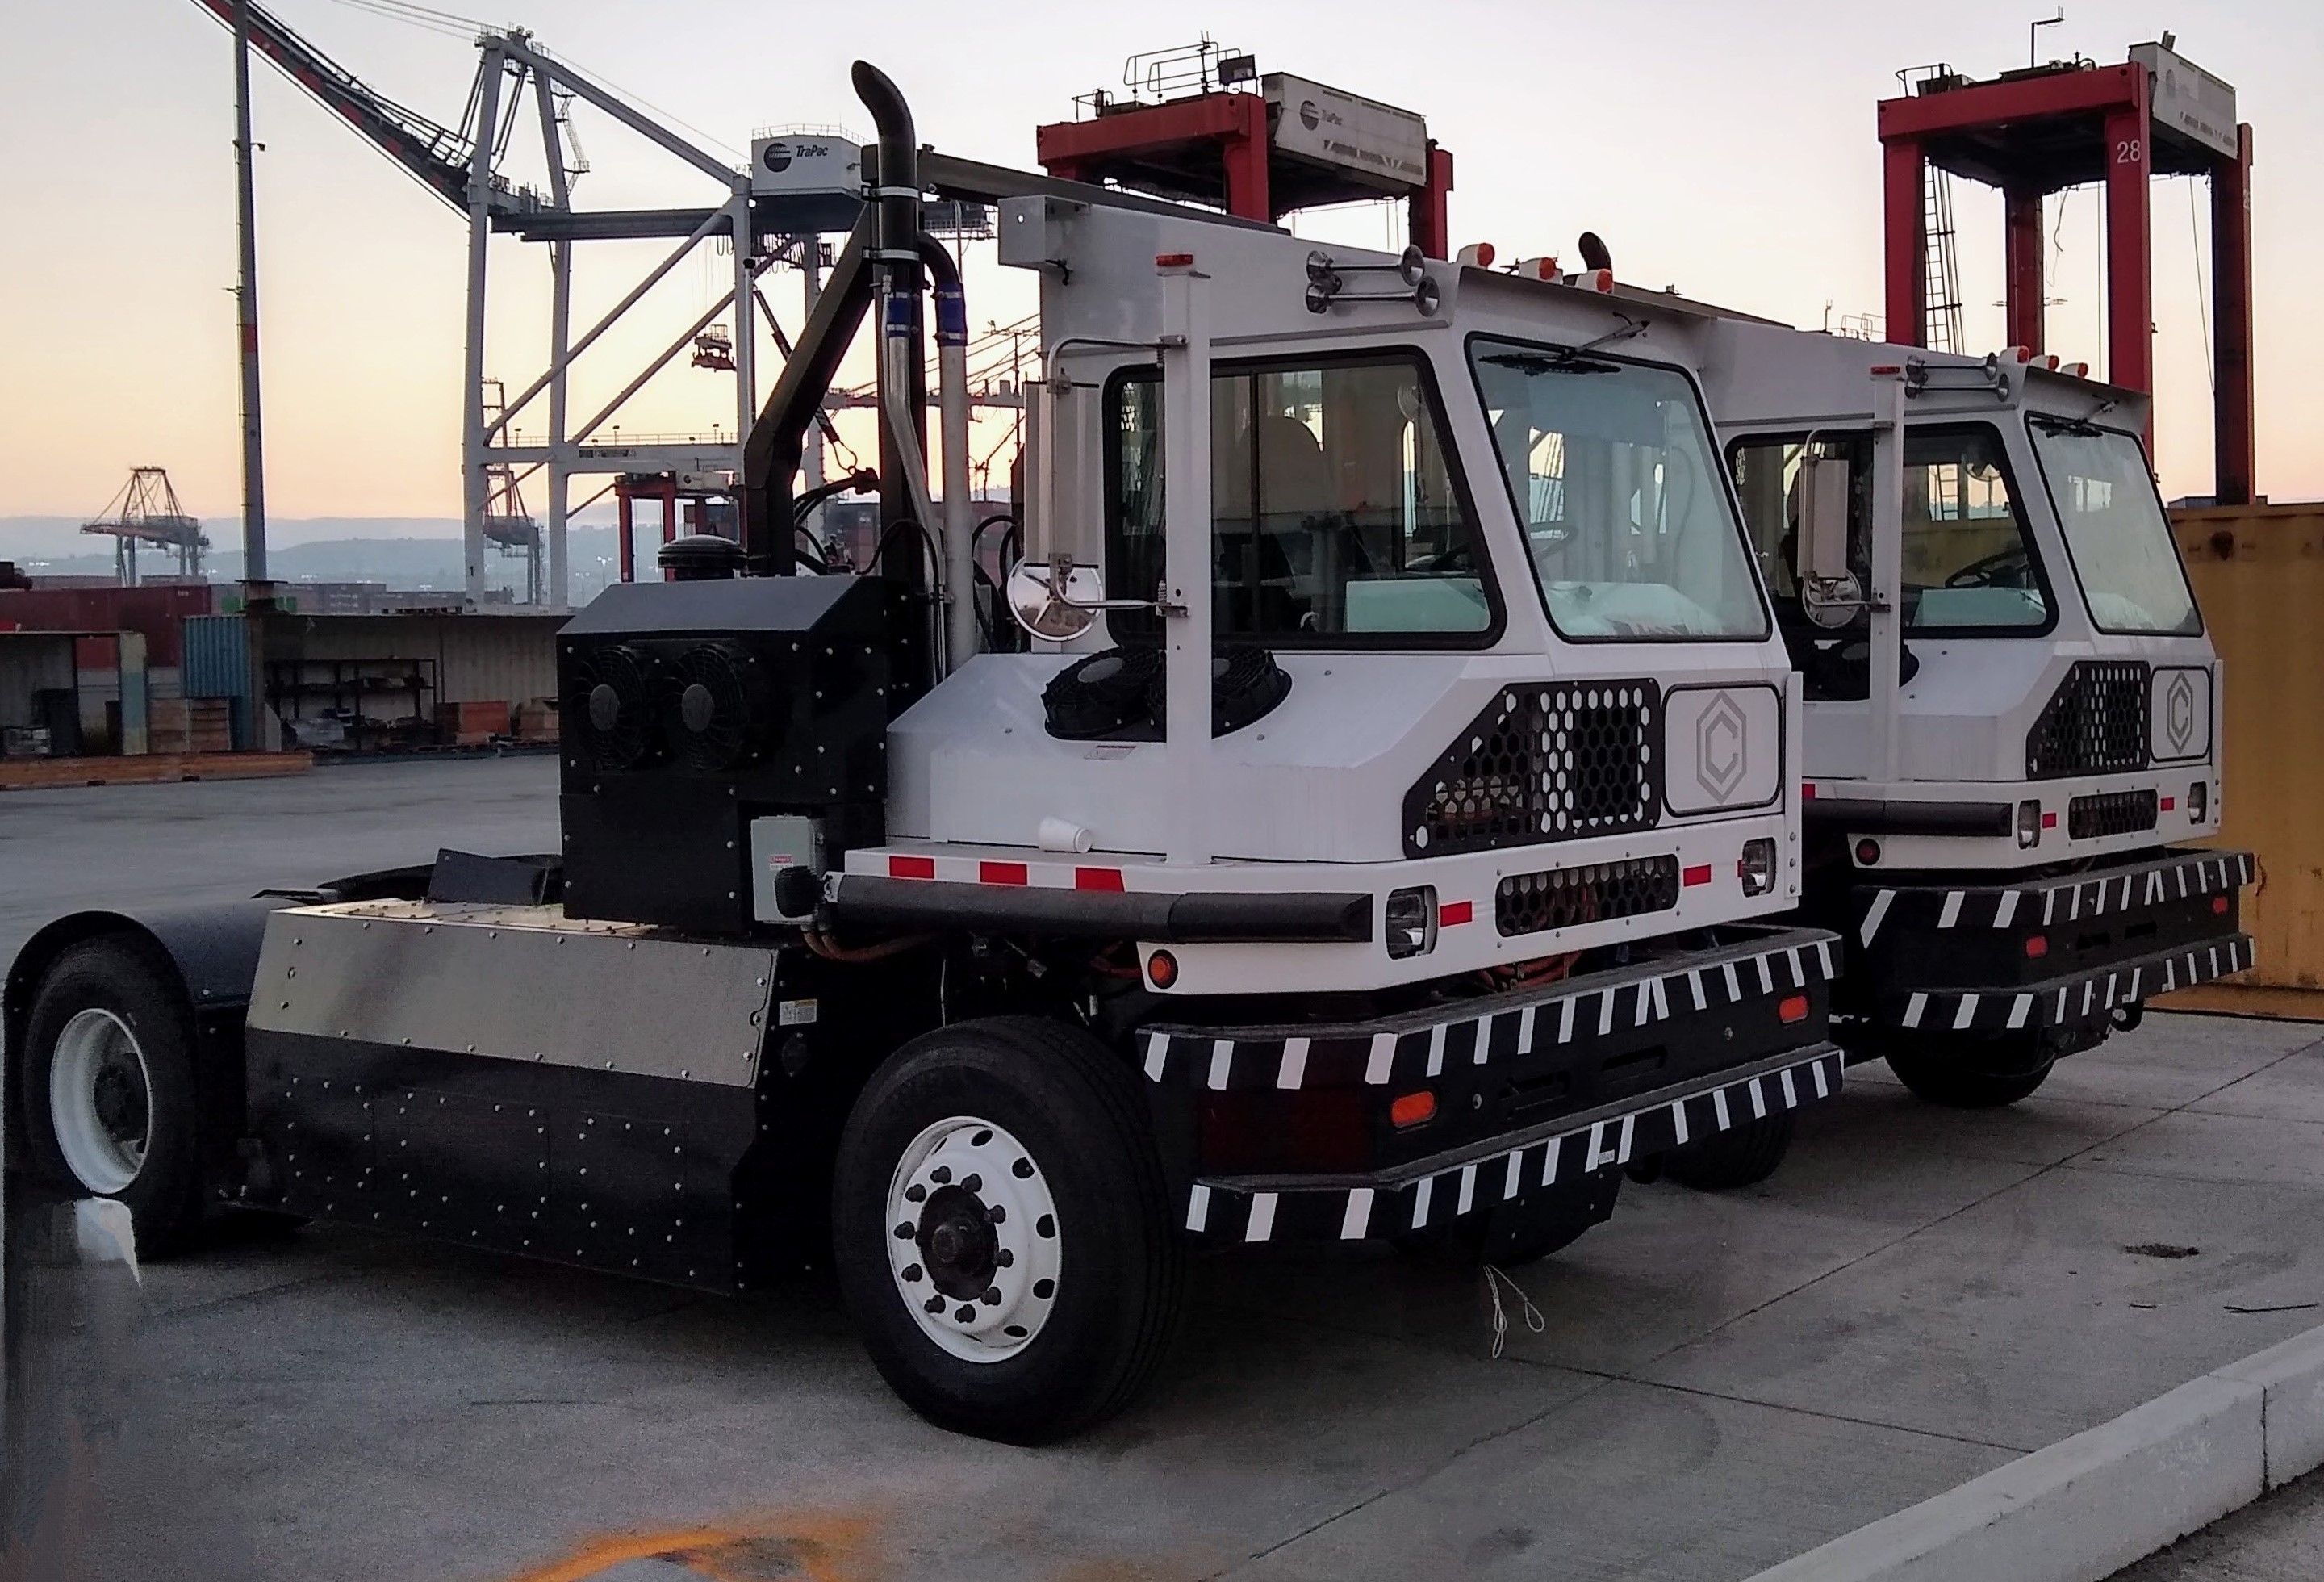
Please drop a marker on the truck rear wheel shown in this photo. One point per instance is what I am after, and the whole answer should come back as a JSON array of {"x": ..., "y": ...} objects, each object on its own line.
[
  {"x": 1741, "y": 1156},
  {"x": 1002, "y": 1232},
  {"x": 107, "y": 1081},
  {"x": 1974, "y": 1074}
]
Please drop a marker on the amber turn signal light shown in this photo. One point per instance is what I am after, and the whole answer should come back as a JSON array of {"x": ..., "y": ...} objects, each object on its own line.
[
  {"x": 1410, "y": 1109},
  {"x": 1162, "y": 969}
]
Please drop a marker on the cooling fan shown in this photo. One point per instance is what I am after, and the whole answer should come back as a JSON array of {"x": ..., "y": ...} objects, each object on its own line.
[
  {"x": 718, "y": 704},
  {"x": 613, "y": 698}
]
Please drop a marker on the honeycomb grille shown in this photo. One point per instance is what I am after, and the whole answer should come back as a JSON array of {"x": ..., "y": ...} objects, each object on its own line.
[
  {"x": 2110, "y": 813},
  {"x": 2095, "y": 725},
  {"x": 1559, "y": 898},
  {"x": 1543, "y": 763}
]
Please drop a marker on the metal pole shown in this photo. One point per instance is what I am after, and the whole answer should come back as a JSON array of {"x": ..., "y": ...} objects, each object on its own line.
[
  {"x": 560, "y": 336},
  {"x": 472, "y": 460},
  {"x": 811, "y": 268},
  {"x": 1186, "y": 554},
  {"x": 257, "y": 589},
  {"x": 1887, "y": 616},
  {"x": 746, "y": 324}
]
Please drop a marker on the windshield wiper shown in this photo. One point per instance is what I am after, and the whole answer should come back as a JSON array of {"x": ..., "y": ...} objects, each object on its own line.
[
  {"x": 2080, "y": 427},
  {"x": 1569, "y": 360}
]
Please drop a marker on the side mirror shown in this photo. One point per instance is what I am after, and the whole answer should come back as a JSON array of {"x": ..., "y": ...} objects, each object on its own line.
[
  {"x": 1829, "y": 590},
  {"x": 1056, "y": 601}
]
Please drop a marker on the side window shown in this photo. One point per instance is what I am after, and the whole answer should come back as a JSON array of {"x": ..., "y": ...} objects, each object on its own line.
[
  {"x": 1335, "y": 513},
  {"x": 1968, "y": 564}
]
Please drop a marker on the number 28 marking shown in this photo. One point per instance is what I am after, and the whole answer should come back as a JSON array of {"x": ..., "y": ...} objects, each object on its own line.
[{"x": 2125, "y": 152}]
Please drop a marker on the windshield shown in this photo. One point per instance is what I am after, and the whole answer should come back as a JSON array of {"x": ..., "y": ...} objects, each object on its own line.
[
  {"x": 1967, "y": 564},
  {"x": 2114, "y": 529},
  {"x": 1336, "y": 516},
  {"x": 1626, "y": 520}
]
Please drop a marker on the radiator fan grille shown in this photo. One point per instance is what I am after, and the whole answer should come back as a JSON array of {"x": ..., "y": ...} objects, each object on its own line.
[
  {"x": 613, "y": 702},
  {"x": 719, "y": 718}
]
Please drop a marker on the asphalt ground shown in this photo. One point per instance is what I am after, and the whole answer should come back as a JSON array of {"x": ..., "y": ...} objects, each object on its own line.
[{"x": 1717, "y": 1382}]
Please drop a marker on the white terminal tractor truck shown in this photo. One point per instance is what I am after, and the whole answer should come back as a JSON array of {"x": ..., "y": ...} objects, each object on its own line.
[
  {"x": 2013, "y": 712},
  {"x": 1387, "y": 829}
]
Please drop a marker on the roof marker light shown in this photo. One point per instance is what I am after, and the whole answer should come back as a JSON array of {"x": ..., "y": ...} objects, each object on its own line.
[
  {"x": 1539, "y": 268},
  {"x": 1476, "y": 256}
]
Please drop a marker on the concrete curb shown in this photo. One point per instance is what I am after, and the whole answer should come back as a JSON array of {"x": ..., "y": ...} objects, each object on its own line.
[{"x": 2081, "y": 1510}]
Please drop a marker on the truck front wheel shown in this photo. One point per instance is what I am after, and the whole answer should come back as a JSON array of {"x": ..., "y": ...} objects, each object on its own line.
[
  {"x": 1001, "y": 1229},
  {"x": 108, "y": 1079}
]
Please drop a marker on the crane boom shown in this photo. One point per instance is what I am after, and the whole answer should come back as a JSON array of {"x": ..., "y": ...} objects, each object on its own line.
[{"x": 440, "y": 158}]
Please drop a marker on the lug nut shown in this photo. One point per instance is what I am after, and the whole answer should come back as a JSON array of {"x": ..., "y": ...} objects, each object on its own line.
[
  {"x": 967, "y": 1314},
  {"x": 941, "y": 1174},
  {"x": 996, "y": 1214},
  {"x": 912, "y": 1272},
  {"x": 906, "y": 1231},
  {"x": 915, "y": 1193},
  {"x": 935, "y": 1304},
  {"x": 1004, "y": 1259},
  {"x": 971, "y": 1183},
  {"x": 991, "y": 1297}
]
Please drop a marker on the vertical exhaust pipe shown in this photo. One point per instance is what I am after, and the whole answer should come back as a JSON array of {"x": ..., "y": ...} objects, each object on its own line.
[
  {"x": 895, "y": 258},
  {"x": 959, "y": 534}
]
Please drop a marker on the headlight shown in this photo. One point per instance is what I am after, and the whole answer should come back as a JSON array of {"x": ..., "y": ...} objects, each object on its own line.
[
  {"x": 1758, "y": 867},
  {"x": 2199, "y": 800},
  {"x": 2029, "y": 823},
  {"x": 1409, "y": 921}
]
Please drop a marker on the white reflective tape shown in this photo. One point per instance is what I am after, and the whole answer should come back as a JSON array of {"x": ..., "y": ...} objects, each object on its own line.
[
  {"x": 1158, "y": 1049},
  {"x": 1468, "y": 1189},
  {"x": 1420, "y": 1201},
  {"x": 2214, "y": 961},
  {"x": 2169, "y": 976},
  {"x": 1967, "y": 1014},
  {"x": 1950, "y": 913},
  {"x": 2006, "y": 908},
  {"x": 1791, "y": 1093},
  {"x": 1824, "y": 1087},
  {"x": 1549, "y": 1162},
  {"x": 1565, "y": 1019},
  {"x": 2124, "y": 902},
  {"x": 1662, "y": 1001},
  {"x": 2097, "y": 898},
  {"x": 2090, "y": 994},
  {"x": 1605, "y": 1012},
  {"x": 1823, "y": 955},
  {"x": 1221, "y": 1061},
  {"x": 1262, "y": 1218},
  {"x": 1646, "y": 1005},
  {"x": 2049, "y": 906},
  {"x": 1198, "y": 1207},
  {"x": 1766, "y": 974},
  {"x": 1678, "y": 1120},
  {"x": 1629, "y": 1131},
  {"x": 1758, "y": 1099},
  {"x": 1913, "y": 1009},
  {"x": 1875, "y": 912},
  {"x": 1694, "y": 982},
  {"x": 2182, "y": 881},
  {"x": 2019, "y": 1009},
  {"x": 1359, "y": 1217},
  {"x": 1510, "y": 1176},
  {"x": 2110, "y": 992},
  {"x": 1599, "y": 1156},
  {"x": 2061, "y": 1002},
  {"x": 1383, "y": 1060},
  {"x": 1525, "y": 1032},
  {"x": 2153, "y": 885},
  {"x": 1799, "y": 969},
  {"x": 1483, "y": 1049},
  {"x": 2074, "y": 908},
  {"x": 1436, "y": 1049},
  {"x": 1734, "y": 983},
  {"x": 1719, "y": 1109},
  {"x": 1294, "y": 1069},
  {"x": 2136, "y": 974}
]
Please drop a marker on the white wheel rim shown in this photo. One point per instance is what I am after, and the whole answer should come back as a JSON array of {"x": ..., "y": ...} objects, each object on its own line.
[
  {"x": 968, "y": 1205},
  {"x": 100, "y": 1100}
]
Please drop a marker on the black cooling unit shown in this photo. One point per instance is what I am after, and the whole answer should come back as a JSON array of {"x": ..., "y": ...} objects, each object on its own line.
[
  {"x": 692, "y": 707},
  {"x": 1123, "y": 693}
]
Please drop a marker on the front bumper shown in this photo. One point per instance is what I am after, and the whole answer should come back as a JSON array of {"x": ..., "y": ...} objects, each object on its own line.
[
  {"x": 1283, "y": 1132},
  {"x": 2057, "y": 952}
]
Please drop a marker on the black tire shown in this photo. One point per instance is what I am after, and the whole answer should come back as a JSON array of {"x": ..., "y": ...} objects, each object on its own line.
[
  {"x": 122, "y": 979},
  {"x": 1741, "y": 1156},
  {"x": 1077, "y": 1111},
  {"x": 1980, "y": 1075}
]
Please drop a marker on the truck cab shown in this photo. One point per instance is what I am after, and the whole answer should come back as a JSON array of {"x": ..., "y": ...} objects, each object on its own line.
[{"x": 2012, "y": 732}]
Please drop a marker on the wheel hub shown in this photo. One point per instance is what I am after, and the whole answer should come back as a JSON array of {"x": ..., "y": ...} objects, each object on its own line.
[
  {"x": 100, "y": 1103},
  {"x": 975, "y": 1248}
]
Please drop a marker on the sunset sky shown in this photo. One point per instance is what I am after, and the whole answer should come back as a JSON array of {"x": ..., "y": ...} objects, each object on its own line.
[{"x": 1727, "y": 149}]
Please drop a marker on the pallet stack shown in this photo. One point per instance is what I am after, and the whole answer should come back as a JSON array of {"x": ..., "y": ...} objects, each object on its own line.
[{"x": 190, "y": 725}]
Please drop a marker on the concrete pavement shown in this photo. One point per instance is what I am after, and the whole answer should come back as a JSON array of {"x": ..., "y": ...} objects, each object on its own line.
[{"x": 1722, "y": 1381}]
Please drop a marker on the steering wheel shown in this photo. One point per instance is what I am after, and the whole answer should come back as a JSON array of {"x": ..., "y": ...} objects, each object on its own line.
[
  {"x": 1461, "y": 557},
  {"x": 2009, "y": 568}
]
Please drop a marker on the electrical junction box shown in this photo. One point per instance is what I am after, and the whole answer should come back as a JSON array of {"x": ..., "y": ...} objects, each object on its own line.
[
  {"x": 778, "y": 842},
  {"x": 805, "y": 162}
]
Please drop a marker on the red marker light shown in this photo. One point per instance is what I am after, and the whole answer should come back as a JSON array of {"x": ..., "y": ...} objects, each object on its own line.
[
  {"x": 2219, "y": 905},
  {"x": 2037, "y": 946},
  {"x": 1410, "y": 1109},
  {"x": 1791, "y": 1008},
  {"x": 1174, "y": 261},
  {"x": 1696, "y": 875},
  {"x": 1162, "y": 969}
]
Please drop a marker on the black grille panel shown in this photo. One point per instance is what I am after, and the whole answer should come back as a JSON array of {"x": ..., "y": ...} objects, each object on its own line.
[
  {"x": 2095, "y": 725},
  {"x": 1558, "y": 898},
  {"x": 2125, "y": 812},
  {"x": 1543, "y": 763}
]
